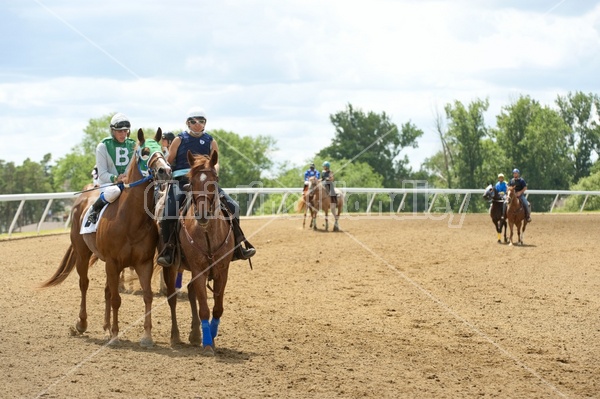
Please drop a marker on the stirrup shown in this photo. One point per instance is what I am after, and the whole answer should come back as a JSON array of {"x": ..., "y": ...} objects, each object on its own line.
[
  {"x": 165, "y": 259},
  {"x": 92, "y": 218}
]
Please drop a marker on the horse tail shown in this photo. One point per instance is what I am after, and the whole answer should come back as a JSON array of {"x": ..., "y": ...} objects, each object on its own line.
[
  {"x": 64, "y": 269},
  {"x": 301, "y": 204}
]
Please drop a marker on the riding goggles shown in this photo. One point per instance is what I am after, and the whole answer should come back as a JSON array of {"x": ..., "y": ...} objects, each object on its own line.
[{"x": 123, "y": 125}]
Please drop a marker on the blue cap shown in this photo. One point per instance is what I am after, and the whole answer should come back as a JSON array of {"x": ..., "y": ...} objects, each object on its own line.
[
  {"x": 326, "y": 164},
  {"x": 516, "y": 171}
]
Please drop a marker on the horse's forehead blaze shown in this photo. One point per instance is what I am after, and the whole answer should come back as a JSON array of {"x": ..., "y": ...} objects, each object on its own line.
[{"x": 203, "y": 177}]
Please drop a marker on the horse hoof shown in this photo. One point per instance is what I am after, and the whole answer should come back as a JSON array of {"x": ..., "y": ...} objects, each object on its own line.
[
  {"x": 208, "y": 351},
  {"x": 195, "y": 339},
  {"x": 146, "y": 342},
  {"x": 114, "y": 341},
  {"x": 499, "y": 242},
  {"x": 80, "y": 326}
]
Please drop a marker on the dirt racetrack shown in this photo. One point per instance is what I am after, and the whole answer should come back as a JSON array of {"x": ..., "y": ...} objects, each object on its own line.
[{"x": 387, "y": 308}]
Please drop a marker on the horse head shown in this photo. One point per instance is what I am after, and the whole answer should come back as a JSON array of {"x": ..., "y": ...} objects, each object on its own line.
[
  {"x": 489, "y": 193},
  {"x": 150, "y": 158},
  {"x": 510, "y": 195},
  {"x": 203, "y": 179}
]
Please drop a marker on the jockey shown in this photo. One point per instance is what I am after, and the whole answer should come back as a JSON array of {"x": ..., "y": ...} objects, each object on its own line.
[
  {"x": 310, "y": 172},
  {"x": 520, "y": 188},
  {"x": 113, "y": 155},
  {"x": 329, "y": 184},
  {"x": 167, "y": 139},
  {"x": 198, "y": 142},
  {"x": 501, "y": 190}
]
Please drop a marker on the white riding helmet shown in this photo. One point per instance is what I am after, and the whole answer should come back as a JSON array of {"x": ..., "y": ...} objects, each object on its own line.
[
  {"x": 196, "y": 112},
  {"x": 120, "y": 122}
]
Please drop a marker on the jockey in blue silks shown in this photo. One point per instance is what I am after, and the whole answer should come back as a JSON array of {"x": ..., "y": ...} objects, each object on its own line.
[
  {"x": 520, "y": 188},
  {"x": 310, "y": 172},
  {"x": 501, "y": 188}
]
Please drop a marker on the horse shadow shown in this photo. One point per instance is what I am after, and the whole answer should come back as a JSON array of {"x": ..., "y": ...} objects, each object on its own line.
[{"x": 182, "y": 350}]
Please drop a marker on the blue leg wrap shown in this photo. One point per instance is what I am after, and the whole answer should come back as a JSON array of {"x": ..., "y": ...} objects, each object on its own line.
[
  {"x": 206, "y": 334},
  {"x": 178, "y": 280},
  {"x": 214, "y": 327}
]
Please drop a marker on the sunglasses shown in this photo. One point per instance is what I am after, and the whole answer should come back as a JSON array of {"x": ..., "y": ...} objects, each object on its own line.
[
  {"x": 194, "y": 121},
  {"x": 121, "y": 125}
]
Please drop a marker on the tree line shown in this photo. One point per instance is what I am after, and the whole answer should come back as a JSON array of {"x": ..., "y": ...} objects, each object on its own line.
[{"x": 555, "y": 147}]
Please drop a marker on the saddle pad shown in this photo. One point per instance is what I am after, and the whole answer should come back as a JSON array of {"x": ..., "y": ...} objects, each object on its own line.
[{"x": 92, "y": 227}]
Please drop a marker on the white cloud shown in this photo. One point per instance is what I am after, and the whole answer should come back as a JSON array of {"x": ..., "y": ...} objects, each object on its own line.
[{"x": 281, "y": 68}]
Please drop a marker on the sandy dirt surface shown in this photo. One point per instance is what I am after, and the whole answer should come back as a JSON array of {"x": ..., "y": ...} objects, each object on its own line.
[{"x": 387, "y": 308}]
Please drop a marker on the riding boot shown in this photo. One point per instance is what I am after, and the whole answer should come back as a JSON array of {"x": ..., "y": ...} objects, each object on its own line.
[
  {"x": 503, "y": 211},
  {"x": 241, "y": 252},
  {"x": 96, "y": 208},
  {"x": 167, "y": 255},
  {"x": 528, "y": 213}
]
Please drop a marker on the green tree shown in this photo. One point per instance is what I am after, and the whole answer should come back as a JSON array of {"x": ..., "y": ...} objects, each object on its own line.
[
  {"x": 242, "y": 159},
  {"x": 373, "y": 139},
  {"x": 466, "y": 131},
  {"x": 581, "y": 112},
  {"x": 73, "y": 171},
  {"x": 534, "y": 139}
]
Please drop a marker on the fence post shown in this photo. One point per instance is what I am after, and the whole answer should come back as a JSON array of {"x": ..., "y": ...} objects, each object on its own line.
[{"x": 14, "y": 221}]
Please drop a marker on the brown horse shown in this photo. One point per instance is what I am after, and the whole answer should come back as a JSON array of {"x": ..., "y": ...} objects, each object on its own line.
[
  {"x": 497, "y": 201},
  {"x": 515, "y": 213},
  {"x": 207, "y": 246},
  {"x": 126, "y": 236},
  {"x": 317, "y": 198}
]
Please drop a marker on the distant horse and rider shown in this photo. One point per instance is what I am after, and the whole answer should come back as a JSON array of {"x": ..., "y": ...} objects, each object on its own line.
[
  {"x": 509, "y": 204},
  {"x": 496, "y": 197},
  {"x": 125, "y": 235},
  {"x": 516, "y": 215},
  {"x": 321, "y": 195}
]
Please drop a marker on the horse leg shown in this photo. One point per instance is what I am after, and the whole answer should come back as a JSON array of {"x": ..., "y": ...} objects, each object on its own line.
[
  {"x": 218, "y": 297},
  {"x": 112, "y": 293},
  {"x": 82, "y": 265},
  {"x": 498, "y": 225},
  {"x": 195, "y": 337},
  {"x": 144, "y": 272},
  {"x": 169, "y": 276},
  {"x": 122, "y": 282},
  {"x": 510, "y": 224},
  {"x": 204, "y": 312},
  {"x": 326, "y": 220}
]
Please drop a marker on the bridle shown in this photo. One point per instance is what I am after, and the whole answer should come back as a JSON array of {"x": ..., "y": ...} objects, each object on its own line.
[
  {"x": 210, "y": 199},
  {"x": 212, "y": 203}
]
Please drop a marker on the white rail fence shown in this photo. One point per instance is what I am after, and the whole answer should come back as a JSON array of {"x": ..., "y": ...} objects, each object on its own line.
[{"x": 258, "y": 194}]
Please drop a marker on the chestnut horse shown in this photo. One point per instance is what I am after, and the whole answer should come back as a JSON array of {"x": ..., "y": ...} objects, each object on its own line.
[
  {"x": 317, "y": 198},
  {"x": 126, "y": 235},
  {"x": 492, "y": 195},
  {"x": 207, "y": 245},
  {"x": 515, "y": 213}
]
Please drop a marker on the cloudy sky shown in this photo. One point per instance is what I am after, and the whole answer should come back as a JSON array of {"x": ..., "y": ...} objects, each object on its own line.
[{"x": 279, "y": 68}]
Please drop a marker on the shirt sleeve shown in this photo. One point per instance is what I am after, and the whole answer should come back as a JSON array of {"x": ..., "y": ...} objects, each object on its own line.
[{"x": 103, "y": 163}]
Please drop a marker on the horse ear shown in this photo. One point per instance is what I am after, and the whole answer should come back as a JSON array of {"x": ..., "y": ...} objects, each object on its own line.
[
  {"x": 158, "y": 135},
  {"x": 141, "y": 137},
  {"x": 190, "y": 158},
  {"x": 214, "y": 158}
]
